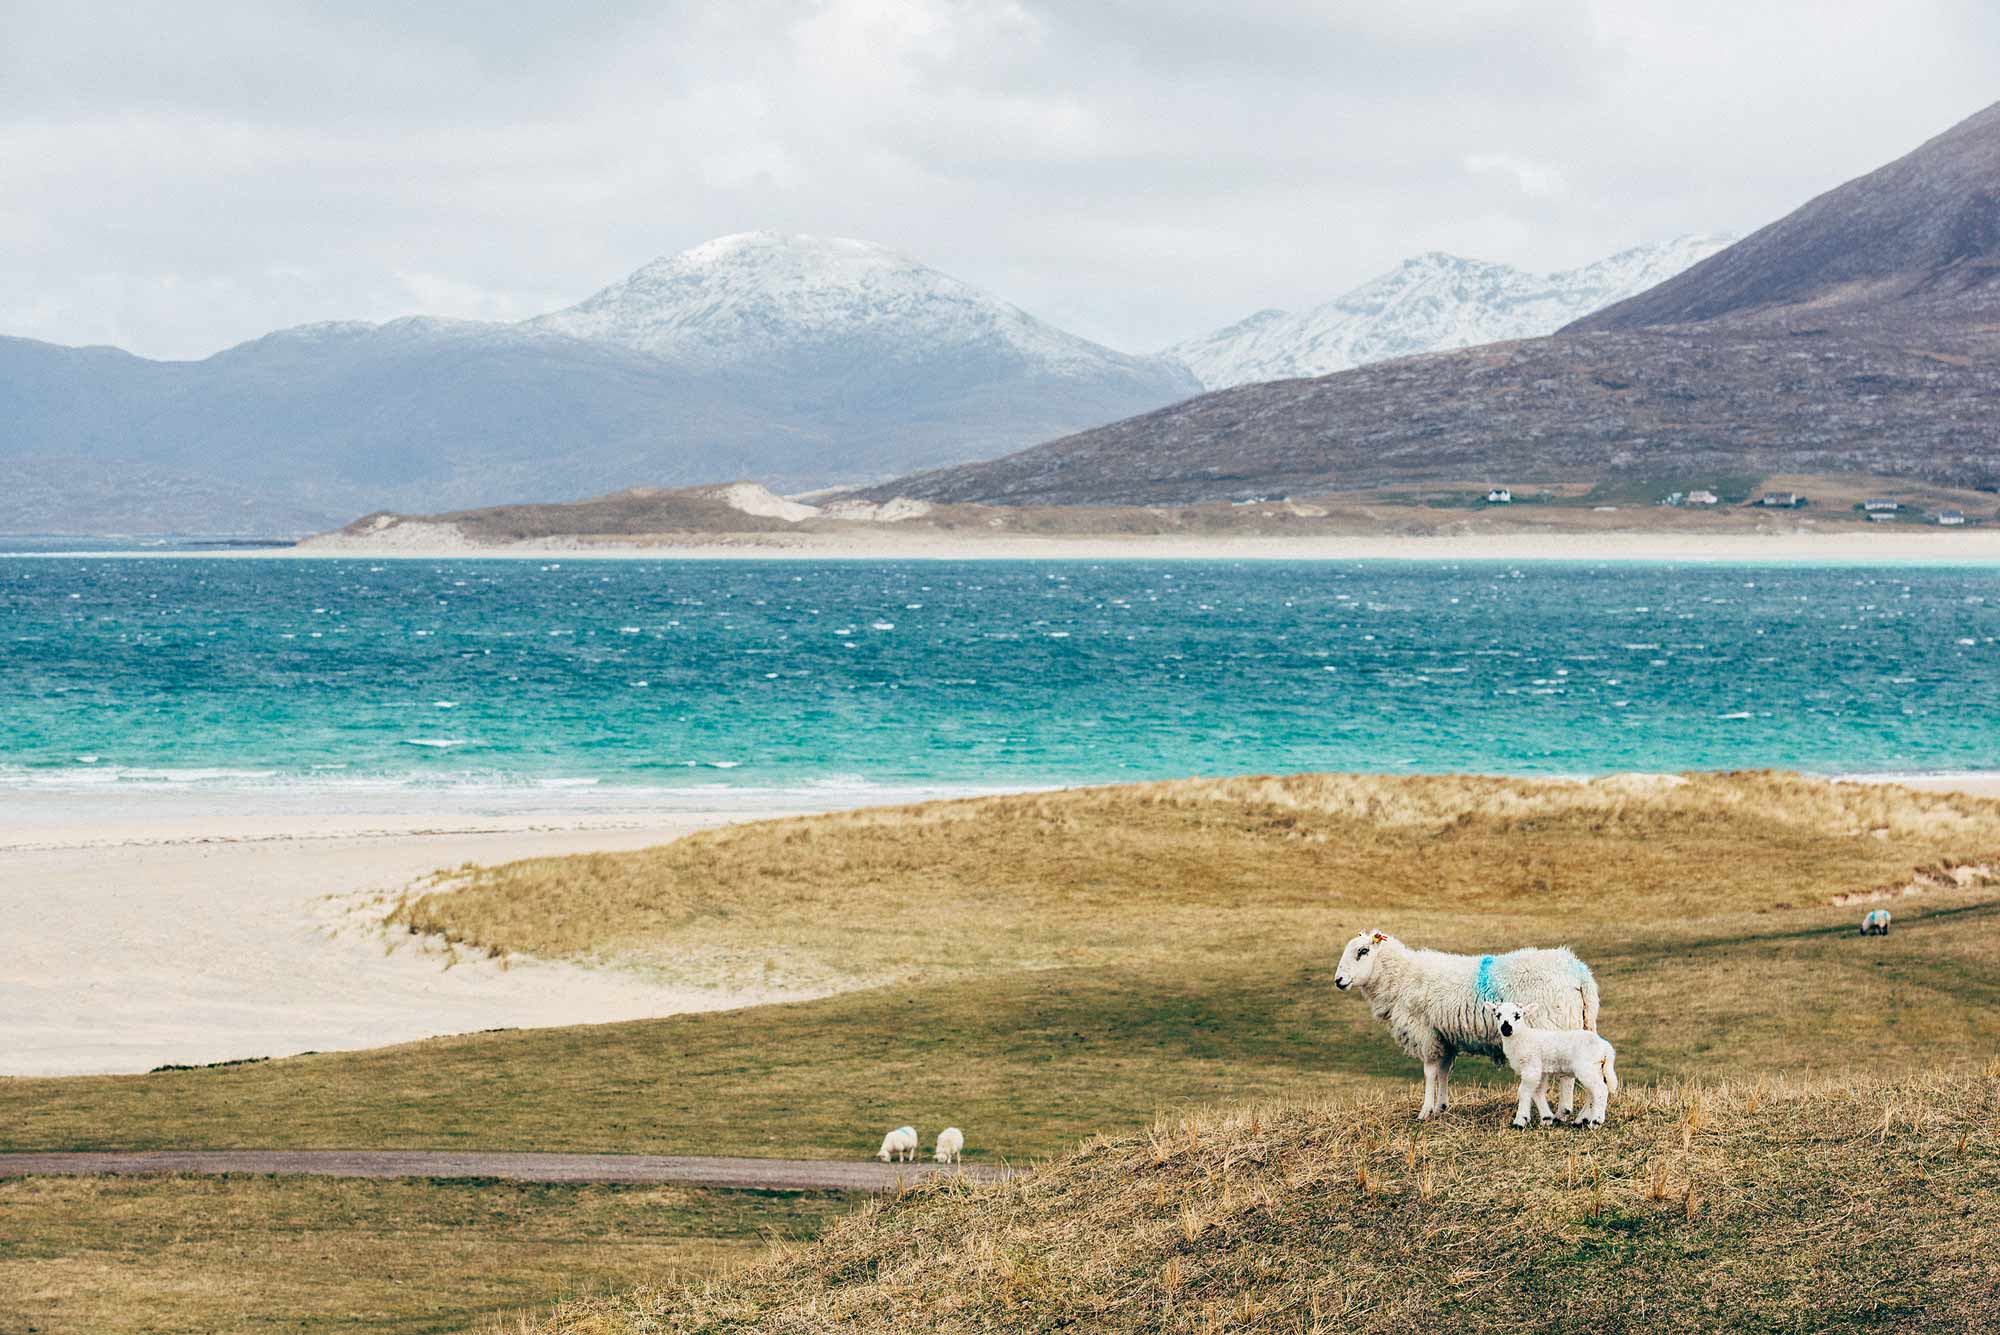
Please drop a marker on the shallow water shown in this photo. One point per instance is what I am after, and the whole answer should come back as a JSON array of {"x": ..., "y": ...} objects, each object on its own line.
[{"x": 557, "y": 678}]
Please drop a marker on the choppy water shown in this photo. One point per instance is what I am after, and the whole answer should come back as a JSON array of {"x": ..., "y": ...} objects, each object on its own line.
[{"x": 350, "y": 675}]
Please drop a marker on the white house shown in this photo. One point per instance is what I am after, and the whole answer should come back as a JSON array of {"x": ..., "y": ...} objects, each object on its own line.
[
  {"x": 1499, "y": 496},
  {"x": 1781, "y": 500},
  {"x": 1702, "y": 498},
  {"x": 1950, "y": 518},
  {"x": 1874, "y": 503}
]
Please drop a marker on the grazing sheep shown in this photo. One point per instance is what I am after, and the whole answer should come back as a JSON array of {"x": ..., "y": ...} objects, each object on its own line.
[
  {"x": 950, "y": 1144},
  {"x": 1536, "y": 1054},
  {"x": 1876, "y": 923},
  {"x": 900, "y": 1143},
  {"x": 1434, "y": 1002}
]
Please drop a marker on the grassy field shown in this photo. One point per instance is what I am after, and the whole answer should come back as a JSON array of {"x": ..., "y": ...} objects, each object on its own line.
[
  {"x": 1049, "y": 967},
  {"x": 145, "y": 1256},
  {"x": 1759, "y": 1207}
]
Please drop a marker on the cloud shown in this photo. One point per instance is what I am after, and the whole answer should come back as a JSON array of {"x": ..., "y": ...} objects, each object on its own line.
[{"x": 183, "y": 177}]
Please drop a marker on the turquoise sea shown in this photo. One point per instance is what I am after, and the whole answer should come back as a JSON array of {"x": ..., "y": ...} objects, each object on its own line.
[{"x": 313, "y": 676}]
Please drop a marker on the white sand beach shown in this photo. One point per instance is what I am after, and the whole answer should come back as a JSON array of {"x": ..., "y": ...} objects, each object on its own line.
[{"x": 195, "y": 935}]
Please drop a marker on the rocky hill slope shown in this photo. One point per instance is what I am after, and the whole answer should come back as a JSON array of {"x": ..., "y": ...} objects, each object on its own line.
[
  {"x": 1889, "y": 365},
  {"x": 1431, "y": 303}
]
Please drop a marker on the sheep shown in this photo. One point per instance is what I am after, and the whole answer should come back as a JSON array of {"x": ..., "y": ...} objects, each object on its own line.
[
  {"x": 1876, "y": 923},
  {"x": 1536, "y": 1054},
  {"x": 1432, "y": 1001},
  {"x": 950, "y": 1144},
  {"x": 900, "y": 1143}
]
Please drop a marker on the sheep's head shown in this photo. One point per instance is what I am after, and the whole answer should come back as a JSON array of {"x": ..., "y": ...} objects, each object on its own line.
[
  {"x": 1507, "y": 1017},
  {"x": 1357, "y": 962}
]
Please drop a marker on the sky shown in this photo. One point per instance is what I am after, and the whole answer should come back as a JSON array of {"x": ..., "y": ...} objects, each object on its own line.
[{"x": 178, "y": 177}]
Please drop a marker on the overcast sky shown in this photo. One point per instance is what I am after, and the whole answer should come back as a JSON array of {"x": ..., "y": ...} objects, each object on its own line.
[{"x": 177, "y": 177}]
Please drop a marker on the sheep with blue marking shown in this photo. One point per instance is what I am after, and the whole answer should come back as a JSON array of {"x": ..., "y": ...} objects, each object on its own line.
[
  {"x": 901, "y": 1144},
  {"x": 1875, "y": 923},
  {"x": 1435, "y": 1003}
]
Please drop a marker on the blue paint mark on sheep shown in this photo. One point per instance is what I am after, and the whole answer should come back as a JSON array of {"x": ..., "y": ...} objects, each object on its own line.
[{"x": 1484, "y": 985}]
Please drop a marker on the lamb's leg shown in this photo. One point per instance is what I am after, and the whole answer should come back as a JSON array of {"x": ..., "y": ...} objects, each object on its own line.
[
  {"x": 1594, "y": 1091},
  {"x": 1431, "y": 1082},
  {"x": 1542, "y": 1101},
  {"x": 1530, "y": 1080},
  {"x": 1444, "y": 1079},
  {"x": 1568, "y": 1096}
]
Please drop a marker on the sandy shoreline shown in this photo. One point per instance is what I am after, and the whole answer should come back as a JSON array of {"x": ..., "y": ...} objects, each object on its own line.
[
  {"x": 1859, "y": 547},
  {"x": 125, "y": 955}
]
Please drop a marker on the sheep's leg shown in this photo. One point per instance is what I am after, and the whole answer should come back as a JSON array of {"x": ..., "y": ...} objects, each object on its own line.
[
  {"x": 1444, "y": 1079},
  {"x": 1432, "y": 1068},
  {"x": 1542, "y": 1101}
]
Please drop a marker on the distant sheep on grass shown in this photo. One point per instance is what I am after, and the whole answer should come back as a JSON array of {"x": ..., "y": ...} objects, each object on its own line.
[
  {"x": 1435, "y": 1003},
  {"x": 1536, "y": 1054},
  {"x": 950, "y": 1144},
  {"x": 899, "y": 1144},
  {"x": 1876, "y": 923}
]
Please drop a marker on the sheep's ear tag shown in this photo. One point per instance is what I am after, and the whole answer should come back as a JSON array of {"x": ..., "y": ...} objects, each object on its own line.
[{"x": 1380, "y": 937}]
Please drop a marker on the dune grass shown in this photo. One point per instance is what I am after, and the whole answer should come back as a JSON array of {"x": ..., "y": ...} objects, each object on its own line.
[
  {"x": 1195, "y": 870},
  {"x": 145, "y": 1256},
  {"x": 1759, "y": 1206}
]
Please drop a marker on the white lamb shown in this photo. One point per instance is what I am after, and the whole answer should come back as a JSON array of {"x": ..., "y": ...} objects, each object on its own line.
[
  {"x": 1876, "y": 923},
  {"x": 1536, "y": 1054},
  {"x": 900, "y": 1143},
  {"x": 950, "y": 1144},
  {"x": 1435, "y": 1003}
]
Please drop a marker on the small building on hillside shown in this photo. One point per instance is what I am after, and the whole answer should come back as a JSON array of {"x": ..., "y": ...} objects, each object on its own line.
[
  {"x": 1702, "y": 498},
  {"x": 1781, "y": 500},
  {"x": 1950, "y": 518},
  {"x": 1882, "y": 517},
  {"x": 1874, "y": 503},
  {"x": 1499, "y": 496}
]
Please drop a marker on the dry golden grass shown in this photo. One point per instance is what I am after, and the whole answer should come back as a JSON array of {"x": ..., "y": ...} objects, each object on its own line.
[
  {"x": 145, "y": 1256},
  {"x": 1747, "y": 1206},
  {"x": 1197, "y": 870}
]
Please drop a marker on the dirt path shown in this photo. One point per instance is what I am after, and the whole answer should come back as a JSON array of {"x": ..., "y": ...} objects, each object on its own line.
[{"x": 686, "y": 1170}]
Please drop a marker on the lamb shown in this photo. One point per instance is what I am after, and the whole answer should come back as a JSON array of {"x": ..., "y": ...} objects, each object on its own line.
[
  {"x": 1434, "y": 1002},
  {"x": 950, "y": 1144},
  {"x": 900, "y": 1143},
  {"x": 1536, "y": 1054},
  {"x": 1876, "y": 923}
]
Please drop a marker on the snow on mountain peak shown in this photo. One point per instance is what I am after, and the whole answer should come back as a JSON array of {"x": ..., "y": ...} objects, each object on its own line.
[
  {"x": 754, "y": 298},
  {"x": 1428, "y": 303}
]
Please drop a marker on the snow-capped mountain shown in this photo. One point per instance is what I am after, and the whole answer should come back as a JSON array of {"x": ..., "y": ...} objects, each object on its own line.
[
  {"x": 1428, "y": 304},
  {"x": 765, "y": 300}
]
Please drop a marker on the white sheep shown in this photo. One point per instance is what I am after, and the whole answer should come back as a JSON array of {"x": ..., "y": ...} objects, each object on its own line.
[
  {"x": 1536, "y": 1054},
  {"x": 1876, "y": 923},
  {"x": 1434, "y": 1002},
  {"x": 900, "y": 1143},
  {"x": 950, "y": 1144}
]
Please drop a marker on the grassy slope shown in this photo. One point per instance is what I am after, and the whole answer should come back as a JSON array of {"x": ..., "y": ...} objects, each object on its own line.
[
  {"x": 1750, "y": 1209},
  {"x": 121, "y": 1256},
  {"x": 1176, "y": 995}
]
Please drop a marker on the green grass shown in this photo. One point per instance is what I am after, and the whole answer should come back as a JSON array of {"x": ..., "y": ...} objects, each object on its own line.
[
  {"x": 1029, "y": 1062},
  {"x": 146, "y": 1256}
]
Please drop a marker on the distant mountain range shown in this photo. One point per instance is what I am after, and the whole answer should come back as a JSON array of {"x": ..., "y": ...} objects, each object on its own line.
[
  {"x": 1430, "y": 303},
  {"x": 800, "y": 360},
  {"x": 1859, "y": 334}
]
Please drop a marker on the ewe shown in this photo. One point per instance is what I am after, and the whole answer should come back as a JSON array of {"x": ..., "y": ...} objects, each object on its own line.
[
  {"x": 1536, "y": 1054},
  {"x": 1434, "y": 1002},
  {"x": 1876, "y": 923},
  {"x": 900, "y": 1143},
  {"x": 950, "y": 1144}
]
